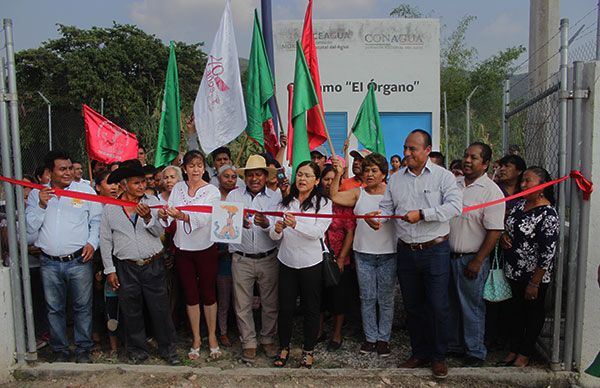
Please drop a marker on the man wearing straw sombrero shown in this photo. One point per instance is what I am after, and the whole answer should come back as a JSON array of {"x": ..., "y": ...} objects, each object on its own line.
[{"x": 255, "y": 259}]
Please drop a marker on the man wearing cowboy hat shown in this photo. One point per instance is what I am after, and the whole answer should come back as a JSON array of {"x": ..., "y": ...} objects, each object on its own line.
[
  {"x": 255, "y": 259},
  {"x": 131, "y": 254}
]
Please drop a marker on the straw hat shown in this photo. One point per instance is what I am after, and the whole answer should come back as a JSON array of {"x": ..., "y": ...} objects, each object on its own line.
[{"x": 257, "y": 162}]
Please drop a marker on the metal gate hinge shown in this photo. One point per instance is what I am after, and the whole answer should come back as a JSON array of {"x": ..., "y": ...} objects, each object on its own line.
[
  {"x": 8, "y": 97},
  {"x": 572, "y": 94},
  {"x": 565, "y": 94},
  {"x": 582, "y": 93}
]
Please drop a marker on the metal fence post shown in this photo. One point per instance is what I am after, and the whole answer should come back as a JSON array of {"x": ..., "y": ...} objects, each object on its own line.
[
  {"x": 505, "y": 107},
  {"x": 13, "y": 249},
  {"x": 446, "y": 132},
  {"x": 562, "y": 170},
  {"x": 584, "y": 218},
  {"x": 573, "y": 219},
  {"x": 16, "y": 144}
]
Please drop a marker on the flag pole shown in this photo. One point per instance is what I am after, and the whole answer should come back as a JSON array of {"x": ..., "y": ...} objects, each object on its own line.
[
  {"x": 242, "y": 149},
  {"x": 326, "y": 130},
  {"x": 90, "y": 172}
]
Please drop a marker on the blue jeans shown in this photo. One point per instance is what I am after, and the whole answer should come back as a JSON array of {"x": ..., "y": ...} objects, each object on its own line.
[
  {"x": 76, "y": 278},
  {"x": 467, "y": 309},
  {"x": 376, "y": 283},
  {"x": 423, "y": 277}
]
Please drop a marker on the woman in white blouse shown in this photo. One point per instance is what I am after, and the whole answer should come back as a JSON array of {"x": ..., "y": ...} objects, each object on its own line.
[
  {"x": 196, "y": 257},
  {"x": 300, "y": 255}
]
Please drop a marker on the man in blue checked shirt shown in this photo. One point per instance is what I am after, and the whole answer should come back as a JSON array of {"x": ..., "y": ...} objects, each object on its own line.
[{"x": 67, "y": 231}]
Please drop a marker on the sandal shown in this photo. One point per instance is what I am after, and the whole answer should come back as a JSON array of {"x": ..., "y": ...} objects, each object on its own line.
[
  {"x": 282, "y": 358},
  {"x": 194, "y": 353},
  {"x": 307, "y": 360},
  {"x": 215, "y": 353}
]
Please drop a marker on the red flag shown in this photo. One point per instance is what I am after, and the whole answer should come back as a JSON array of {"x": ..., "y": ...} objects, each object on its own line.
[
  {"x": 314, "y": 124},
  {"x": 271, "y": 141},
  {"x": 106, "y": 142},
  {"x": 290, "y": 136}
]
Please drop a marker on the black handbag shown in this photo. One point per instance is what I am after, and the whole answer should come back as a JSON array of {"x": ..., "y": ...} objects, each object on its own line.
[{"x": 331, "y": 271}]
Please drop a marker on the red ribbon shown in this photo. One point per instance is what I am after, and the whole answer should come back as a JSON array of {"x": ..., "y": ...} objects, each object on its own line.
[{"x": 584, "y": 184}]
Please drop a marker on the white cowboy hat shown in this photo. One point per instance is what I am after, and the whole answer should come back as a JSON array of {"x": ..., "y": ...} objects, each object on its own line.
[{"x": 257, "y": 162}]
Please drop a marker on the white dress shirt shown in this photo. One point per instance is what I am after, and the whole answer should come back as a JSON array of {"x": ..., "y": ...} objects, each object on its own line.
[
  {"x": 194, "y": 236},
  {"x": 300, "y": 246},
  {"x": 255, "y": 239},
  {"x": 434, "y": 191},
  {"x": 67, "y": 224}
]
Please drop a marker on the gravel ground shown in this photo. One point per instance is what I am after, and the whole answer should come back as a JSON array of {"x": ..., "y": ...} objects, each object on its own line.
[{"x": 347, "y": 356}]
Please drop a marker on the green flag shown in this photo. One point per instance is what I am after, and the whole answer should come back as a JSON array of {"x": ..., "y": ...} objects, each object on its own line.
[
  {"x": 167, "y": 148},
  {"x": 367, "y": 127},
  {"x": 304, "y": 98},
  {"x": 259, "y": 87}
]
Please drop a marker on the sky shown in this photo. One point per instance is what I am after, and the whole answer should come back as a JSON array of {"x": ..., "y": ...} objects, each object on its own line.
[{"x": 499, "y": 24}]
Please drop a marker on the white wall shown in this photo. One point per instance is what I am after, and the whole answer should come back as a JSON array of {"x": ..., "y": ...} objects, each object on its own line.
[
  {"x": 404, "y": 53},
  {"x": 7, "y": 336},
  {"x": 591, "y": 323}
]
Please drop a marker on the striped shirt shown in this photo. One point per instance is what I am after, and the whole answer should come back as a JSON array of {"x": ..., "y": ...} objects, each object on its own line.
[{"x": 128, "y": 238}]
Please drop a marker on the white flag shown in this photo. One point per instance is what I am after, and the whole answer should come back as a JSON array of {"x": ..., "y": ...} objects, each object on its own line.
[{"x": 219, "y": 111}]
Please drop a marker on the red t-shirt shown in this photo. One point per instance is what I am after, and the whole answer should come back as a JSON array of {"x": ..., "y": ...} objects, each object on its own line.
[
  {"x": 350, "y": 183},
  {"x": 338, "y": 229}
]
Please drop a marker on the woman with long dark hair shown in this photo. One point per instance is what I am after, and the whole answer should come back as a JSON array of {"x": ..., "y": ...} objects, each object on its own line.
[
  {"x": 196, "y": 257},
  {"x": 530, "y": 242},
  {"x": 300, "y": 256}
]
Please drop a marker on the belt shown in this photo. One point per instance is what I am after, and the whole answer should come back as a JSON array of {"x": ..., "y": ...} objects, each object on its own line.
[
  {"x": 424, "y": 245},
  {"x": 147, "y": 261},
  {"x": 65, "y": 258},
  {"x": 456, "y": 255},
  {"x": 256, "y": 255}
]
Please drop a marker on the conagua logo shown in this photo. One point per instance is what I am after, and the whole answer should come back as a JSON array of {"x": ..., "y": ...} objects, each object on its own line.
[
  {"x": 394, "y": 39},
  {"x": 214, "y": 69},
  {"x": 111, "y": 144}
]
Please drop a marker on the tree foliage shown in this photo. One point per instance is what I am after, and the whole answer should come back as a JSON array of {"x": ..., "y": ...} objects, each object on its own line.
[
  {"x": 460, "y": 73},
  {"x": 121, "y": 64}
]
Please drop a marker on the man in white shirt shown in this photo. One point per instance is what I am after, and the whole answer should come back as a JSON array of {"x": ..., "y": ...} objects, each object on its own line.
[
  {"x": 473, "y": 236},
  {"x": 255, "y": 259}
]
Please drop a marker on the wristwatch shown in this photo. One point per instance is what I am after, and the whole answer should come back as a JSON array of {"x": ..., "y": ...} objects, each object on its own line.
[{"x": 421, "y": 214}]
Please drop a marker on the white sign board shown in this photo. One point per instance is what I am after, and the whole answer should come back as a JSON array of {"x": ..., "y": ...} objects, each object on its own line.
[
  {"x": 227, "y": 221},
  {"x": 401, "y": 56}
]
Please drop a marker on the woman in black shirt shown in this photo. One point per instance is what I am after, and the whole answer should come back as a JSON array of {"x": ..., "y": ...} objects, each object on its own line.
[{"x": 529, "y": 240}]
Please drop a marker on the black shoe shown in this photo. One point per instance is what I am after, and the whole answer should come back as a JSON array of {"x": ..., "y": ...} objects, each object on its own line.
[
  {"x": 172, "y": 359},
  {"x": 383, "y": 349},
  {"x": 83, "y": 358},
  {"x": 367, "y": 347},
  {"x": 137, "y": 358},
  {"x": 472, "y": 362},
  {"x": 61, "y": 357},
  {"x": 332, "y": 346}
]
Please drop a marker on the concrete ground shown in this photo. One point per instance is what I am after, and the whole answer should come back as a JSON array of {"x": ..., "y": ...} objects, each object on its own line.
[{"x": 104, "y": 375}]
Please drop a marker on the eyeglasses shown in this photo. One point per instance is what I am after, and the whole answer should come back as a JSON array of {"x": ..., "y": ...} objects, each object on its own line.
[{"x": 303, "y": 175}]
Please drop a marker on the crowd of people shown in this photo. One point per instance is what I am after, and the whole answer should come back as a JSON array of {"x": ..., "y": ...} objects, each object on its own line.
[{"x": 131, "y": 269}]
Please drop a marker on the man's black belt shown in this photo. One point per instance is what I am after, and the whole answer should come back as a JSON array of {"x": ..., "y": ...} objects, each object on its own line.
[
  {"x": 256, "y": 255},
  {"x": 65, "y": 258},
  {"x": 424, "y": 245},
  {"x": 456, "y": 255}
]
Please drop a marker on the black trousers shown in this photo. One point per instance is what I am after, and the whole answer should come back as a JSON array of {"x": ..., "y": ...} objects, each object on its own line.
[
  {"x": 145, "y": 283},
  {"x": 526, "y": 318},
  {"x": 307, "y": 281}
]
